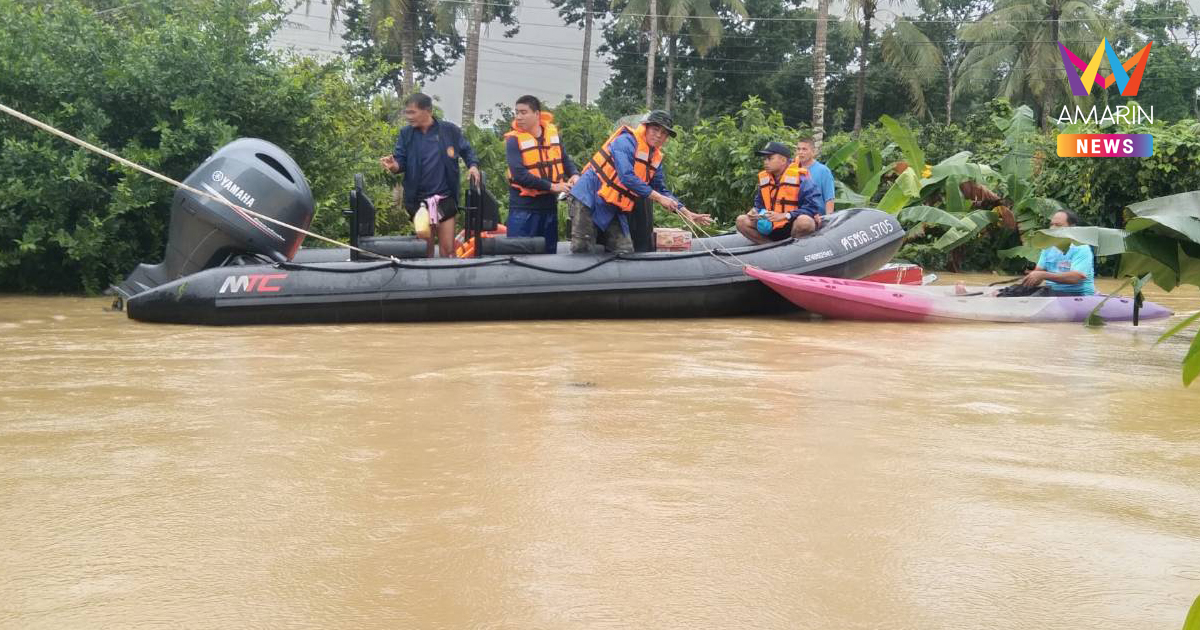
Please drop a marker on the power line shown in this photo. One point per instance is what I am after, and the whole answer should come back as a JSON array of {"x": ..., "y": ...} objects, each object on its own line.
[{"x": 791, "y": 19}]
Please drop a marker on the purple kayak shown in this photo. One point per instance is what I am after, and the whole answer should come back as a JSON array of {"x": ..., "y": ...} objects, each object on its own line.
[{"x": 857, "y": 299}]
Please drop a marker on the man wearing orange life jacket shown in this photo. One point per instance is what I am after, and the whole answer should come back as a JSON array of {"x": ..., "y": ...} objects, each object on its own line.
[
  {"x": 787, "y": 203},
  {"x": 538, "y": 170},
  {"x": 627, "y": 168}
]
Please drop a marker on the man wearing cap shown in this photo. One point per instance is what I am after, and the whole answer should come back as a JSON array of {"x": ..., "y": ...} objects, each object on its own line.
[
  {"x": 624, "y": 170},
  {"x": 787, "y": 203}
]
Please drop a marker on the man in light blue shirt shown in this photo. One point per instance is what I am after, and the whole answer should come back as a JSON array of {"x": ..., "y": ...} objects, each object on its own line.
[
  {"x": 806, "y": 157},
  {"x": 1069, "y": 273}
]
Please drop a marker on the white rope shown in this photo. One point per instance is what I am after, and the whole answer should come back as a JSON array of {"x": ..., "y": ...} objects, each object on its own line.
[
  {"x": 141, "y": 169},
  {"x": 696, "y": 230}
]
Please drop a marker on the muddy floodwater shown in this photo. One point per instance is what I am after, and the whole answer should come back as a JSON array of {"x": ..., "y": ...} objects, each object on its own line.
[{"x": 768, "y": 472}]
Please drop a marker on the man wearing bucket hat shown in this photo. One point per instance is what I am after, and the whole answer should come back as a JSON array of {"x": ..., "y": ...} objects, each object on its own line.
[
  {"x": 787, "y": 203},
  {"x": 627, "y": 168}
]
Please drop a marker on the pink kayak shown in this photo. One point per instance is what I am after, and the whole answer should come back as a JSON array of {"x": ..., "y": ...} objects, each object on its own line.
[{"x": 856, "y": 299}]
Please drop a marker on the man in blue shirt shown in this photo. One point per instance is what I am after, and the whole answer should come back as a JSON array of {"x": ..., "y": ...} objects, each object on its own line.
[
  {"x": 1069, "y": 273},
  {"x": 624, "y": 170},
  {"x": 427, "y": 152},
  {"x": 806, "y": 157}
]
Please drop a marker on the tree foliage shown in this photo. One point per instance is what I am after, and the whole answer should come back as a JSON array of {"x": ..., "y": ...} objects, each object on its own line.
[{"x": 162, "y": 83}]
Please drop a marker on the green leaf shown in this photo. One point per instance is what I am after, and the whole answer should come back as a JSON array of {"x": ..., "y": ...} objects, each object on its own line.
[
  {"x": 906, "y": 188},
  {"x": 1163, "y": 249},
  {"x": 904, "y": 138},
  {"x": 957, "y": 164},
  {"x": 1182, "y": 225},
  {"x": 978, "y": 220},
  {"x": 954, "y": 199},
  {"x": 1193, "y": 618},
  {"x": 1107, "y": 241},
  {"x": 1178, "y": 328},
  {"x": 932, "y": 216},
  {"x": 1133, "y": 263},
  {"x": 1027, "y": 252},
  {"x": 841, "y": 155},
  {"x": 1093, "y": 318},
  {"x": 1191, "y": 362},
  {"x": 1187, "y": 204},
  {"x": 868, "y": 170}
]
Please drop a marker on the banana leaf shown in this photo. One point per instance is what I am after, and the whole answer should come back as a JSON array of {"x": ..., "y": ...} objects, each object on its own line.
[
  {"x": 1107, "y": 241},
  {"x": 978, "y": 219},
  {"x": 906, "y": 188},
  {"x": 932, "y": 216},
  {"x": 1187, "y": 203},
  {"x": 1028, "y": 252},
  {"x": 847, "y": 198},
  {"x": 841, "y": 155},
  {"x": 868, "y": 169},
  {"x": 1191, "y": 369},
  {"x": 954, "y": 198},
  {"x": 906, "y": 141},
  {"x": 957, "y": 164},
  {"x": 1180, "y": 225}
]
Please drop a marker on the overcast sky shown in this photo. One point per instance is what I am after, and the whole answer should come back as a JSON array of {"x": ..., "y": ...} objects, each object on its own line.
[{"x": 543, "y": 59}]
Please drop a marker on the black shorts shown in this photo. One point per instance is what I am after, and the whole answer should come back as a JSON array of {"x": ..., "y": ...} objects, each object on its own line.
[
  {"x": 447, "y": 207},
  {"x": 780, "y": 233}
]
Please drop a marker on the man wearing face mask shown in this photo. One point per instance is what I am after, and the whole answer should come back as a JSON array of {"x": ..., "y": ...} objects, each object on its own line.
[
  {"x": 624, "y": 170},
  {"x": 538, "y": 170}
]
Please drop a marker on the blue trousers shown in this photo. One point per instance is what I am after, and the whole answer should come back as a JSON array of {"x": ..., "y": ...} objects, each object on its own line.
[{"x": 534, "y": 223}]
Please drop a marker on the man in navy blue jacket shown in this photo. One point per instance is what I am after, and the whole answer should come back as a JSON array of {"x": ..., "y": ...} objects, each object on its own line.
[
  {"x": 539, "y": 169},
  {"x": 427, "y": 152}
]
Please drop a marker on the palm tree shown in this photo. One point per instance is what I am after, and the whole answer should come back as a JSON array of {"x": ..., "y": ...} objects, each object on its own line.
[
  {"x": 1018, "y": 42},
  {"x": 864, "y": 10},
  {"x": 383, "y": 16},
  {"x": 587, "y": 50},
  {"x": 471, "y": 71},
  {"x": 698, "y": 17},
  {"x": 818, "y": 121},
  {"x": 652, "y": 18},
  {"x": 704, "y": 30},
  {"x": 915, "y": 61}
]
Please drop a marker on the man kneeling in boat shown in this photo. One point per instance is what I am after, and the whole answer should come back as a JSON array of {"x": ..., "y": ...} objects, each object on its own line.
[
  {"x": 624, "y": 170},
  {"x": 787, "y": 203},
  {"x": 1069, "y": 273}
]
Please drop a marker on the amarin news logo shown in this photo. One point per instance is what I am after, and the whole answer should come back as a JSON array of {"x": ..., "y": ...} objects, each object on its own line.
[
  {"x": 1128, "y": 77},
  {"x": 1126, "y": 82}
]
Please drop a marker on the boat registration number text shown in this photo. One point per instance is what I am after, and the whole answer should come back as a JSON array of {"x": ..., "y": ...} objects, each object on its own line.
[{"x": 862, "y": 237}]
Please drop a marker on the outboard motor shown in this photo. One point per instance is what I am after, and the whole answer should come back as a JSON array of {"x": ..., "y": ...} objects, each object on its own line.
[{"x": 251, "y": 173}]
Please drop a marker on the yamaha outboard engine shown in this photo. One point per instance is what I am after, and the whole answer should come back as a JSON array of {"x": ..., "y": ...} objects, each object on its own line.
[{"x": 253, "y": 174}]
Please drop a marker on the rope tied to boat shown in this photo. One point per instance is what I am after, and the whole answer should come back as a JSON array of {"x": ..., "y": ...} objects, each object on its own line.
[
  {"x": 180, "y": 185},
  {"x": 697, "y": 231}
]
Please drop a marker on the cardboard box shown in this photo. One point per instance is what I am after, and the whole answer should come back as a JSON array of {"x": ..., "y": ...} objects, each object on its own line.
[{"x": 672, "y": 240}]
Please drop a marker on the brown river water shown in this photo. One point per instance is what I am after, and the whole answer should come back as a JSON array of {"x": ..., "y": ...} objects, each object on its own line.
[{"x": 771, "y": 472}]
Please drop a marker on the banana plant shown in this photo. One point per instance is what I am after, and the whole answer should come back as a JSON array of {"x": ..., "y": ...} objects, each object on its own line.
[
  {"x": 915, "y": 180},
  {"x": 1161, "y": 238}
]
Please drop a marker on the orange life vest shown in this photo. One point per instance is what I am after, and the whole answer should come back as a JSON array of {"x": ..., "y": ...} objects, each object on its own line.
[
  {"x": 783, "y": 196},
  {"x": 646, "y": 160},
  {"x": 542, "y": 156}
]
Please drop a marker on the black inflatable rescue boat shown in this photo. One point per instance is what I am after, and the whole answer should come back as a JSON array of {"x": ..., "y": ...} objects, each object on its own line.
[{"x": 225, "y": 267}]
